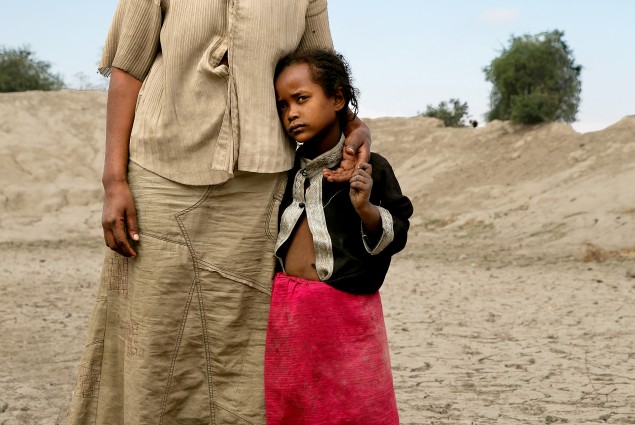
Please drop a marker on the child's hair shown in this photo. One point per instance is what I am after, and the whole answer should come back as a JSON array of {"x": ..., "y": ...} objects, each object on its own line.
[{"x": 331, "y": 71}]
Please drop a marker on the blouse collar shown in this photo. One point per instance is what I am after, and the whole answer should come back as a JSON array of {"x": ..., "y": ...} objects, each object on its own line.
[{"x": 329, "y": 159}]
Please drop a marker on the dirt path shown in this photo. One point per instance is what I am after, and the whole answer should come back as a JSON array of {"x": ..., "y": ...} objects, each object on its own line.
[
  {"x": 475, "y": 344},
  {"x": 472, "y": 343}
]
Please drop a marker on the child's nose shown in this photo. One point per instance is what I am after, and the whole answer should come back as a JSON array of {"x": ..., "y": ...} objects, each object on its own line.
[{"x": 293, "y": 113}]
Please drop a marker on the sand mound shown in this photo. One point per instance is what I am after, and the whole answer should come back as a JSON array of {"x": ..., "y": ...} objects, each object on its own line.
[
  {"x": 51, "y": 150},
  {"x": 541, "y": 190}
]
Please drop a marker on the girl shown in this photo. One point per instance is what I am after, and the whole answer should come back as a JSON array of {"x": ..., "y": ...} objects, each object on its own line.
[{"x": 326, "y": 353}]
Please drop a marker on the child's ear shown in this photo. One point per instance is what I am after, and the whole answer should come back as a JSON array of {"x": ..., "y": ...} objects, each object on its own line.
[{"x": 339, "y": 100}]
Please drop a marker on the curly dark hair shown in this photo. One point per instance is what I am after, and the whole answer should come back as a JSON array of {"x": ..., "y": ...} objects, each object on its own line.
[{"x": 331, "y": 71}]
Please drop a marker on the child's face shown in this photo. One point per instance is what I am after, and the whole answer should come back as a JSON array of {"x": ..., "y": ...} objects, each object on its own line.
[{"x": 306, "y": 112}]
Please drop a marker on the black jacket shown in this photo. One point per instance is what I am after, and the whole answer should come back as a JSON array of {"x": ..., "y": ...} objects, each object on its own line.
[{"x": 345, "y": 258}]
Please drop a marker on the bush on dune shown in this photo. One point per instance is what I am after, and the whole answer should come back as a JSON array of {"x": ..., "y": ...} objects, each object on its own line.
[
  {"x": 535, "y": 80},
  {"x": 20, "y": 71}
]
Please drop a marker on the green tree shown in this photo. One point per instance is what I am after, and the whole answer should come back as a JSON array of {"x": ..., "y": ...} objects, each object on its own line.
[
  {"x": 535, "y": 80},
  {"x": 452, "y": 112},
  {"x": 20, "y": 70}
]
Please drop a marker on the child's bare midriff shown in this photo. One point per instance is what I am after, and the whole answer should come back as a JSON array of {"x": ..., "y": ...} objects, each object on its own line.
[{"x": 300, "y": 258}]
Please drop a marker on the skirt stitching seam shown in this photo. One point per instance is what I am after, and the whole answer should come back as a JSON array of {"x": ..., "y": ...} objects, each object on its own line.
[{"x": 197, "y": 284}]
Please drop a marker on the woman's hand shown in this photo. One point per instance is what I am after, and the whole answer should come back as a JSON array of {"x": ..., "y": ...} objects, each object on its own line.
[
  {"x": 119, "y": 219},
  {"x": 356, "y": 151}
]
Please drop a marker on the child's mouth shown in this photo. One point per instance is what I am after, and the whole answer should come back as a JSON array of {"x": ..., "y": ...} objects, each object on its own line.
[{"x": 296, "y": 128}]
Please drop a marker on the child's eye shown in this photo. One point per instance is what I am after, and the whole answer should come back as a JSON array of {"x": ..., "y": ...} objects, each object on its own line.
[
  {"x": 302, "y": 98},
  {"x": 282, "y": 105}
]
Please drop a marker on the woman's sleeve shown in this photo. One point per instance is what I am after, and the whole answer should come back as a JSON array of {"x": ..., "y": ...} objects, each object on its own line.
[
  {"x": 133, "y": 39},
  {"x": 317, "y": 33}
]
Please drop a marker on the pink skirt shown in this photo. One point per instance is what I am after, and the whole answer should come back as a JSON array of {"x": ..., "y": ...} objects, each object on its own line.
[{"x": 326, "y": 357}]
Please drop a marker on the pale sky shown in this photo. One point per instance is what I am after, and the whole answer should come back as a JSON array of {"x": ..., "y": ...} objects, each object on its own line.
[{"x": 405, "y": 54}]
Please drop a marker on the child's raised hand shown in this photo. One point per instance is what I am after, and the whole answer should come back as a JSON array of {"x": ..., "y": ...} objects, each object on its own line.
[{"x": 361, "y": 184}]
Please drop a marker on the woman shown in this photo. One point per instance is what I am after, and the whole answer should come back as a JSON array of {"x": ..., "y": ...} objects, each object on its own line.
[{"x": 194, "y": 173}]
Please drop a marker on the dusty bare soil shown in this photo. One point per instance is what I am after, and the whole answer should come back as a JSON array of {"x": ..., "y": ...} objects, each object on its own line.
[{"x": 512, "y": 304}]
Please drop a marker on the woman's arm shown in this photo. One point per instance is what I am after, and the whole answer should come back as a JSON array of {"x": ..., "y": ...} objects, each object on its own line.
[
  {"x": 356, "y": 151},
  {"x": 119, "y": 217}
]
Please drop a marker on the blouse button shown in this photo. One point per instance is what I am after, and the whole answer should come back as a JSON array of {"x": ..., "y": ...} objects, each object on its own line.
[{"x": 301, "y": 205}]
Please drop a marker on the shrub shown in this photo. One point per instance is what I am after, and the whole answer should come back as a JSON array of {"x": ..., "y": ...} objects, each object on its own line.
[
  {"x": 452, "y": 113},
  {"x": 535, "y": 80},
  {"x": 21, "y": 71}
]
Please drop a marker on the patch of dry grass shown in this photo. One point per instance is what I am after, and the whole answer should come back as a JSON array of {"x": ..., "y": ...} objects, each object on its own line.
[
  {"x": 596, "y": 254},
  {"x": 438, "y": 223}
]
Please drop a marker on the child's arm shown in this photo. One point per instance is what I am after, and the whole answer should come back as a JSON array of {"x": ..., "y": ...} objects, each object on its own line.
[
  {"x": 361, "y": 184},
  {"x": 384, "y": 210}
]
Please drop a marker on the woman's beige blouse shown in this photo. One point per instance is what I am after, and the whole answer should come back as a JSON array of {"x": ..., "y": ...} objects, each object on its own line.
[{"x": 197, "y": 120}]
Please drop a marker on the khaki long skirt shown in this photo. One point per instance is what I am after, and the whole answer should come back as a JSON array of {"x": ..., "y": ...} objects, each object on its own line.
[{"x": 177, "y": 335}]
